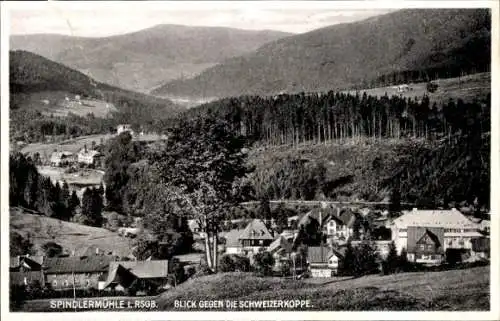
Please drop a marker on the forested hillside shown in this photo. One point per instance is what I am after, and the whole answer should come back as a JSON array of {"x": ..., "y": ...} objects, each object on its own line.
[
  {"x": 403, "y": 46},
  {"x": 402, "y": 148},
  {"x": 30, "y": 73},
  {"x": 146, "y": 58}
]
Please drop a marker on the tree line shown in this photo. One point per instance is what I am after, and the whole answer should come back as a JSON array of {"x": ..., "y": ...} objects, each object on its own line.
[
  {"x": 29, "y": 189},
  {"x": 320, "y": 117}
]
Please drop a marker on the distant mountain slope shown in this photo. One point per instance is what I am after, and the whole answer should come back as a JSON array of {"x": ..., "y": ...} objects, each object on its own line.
[
  {"x": 436, "y": 41},
  {"x": 31, "y": 74},
  {"x": 144, "y": 59}
]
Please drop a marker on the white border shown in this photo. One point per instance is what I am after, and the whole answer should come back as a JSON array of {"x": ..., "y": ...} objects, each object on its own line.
[{"x": 494, "y": 314}]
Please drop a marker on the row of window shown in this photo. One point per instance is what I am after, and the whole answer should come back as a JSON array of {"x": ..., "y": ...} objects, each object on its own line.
[
  {"x": 428, "y": 247},
  {"x": 448, "y": 230},
  {"x": 68, "y": 283},
  {"x": 428, "y": 257}
]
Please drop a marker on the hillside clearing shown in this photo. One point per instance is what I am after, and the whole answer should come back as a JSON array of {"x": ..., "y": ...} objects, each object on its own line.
[
  {"x": 467, "y": 88},
  {"x": 71, "y": 236},
  {"x": 449, "y": 290},
  {"x": 70, "y": 145}
]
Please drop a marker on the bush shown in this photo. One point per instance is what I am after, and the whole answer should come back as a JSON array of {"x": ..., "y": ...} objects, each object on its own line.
[
  {"x": 359, "y": 261},
  {"x": 234, "y": 263},
  {"x": 264, "y": 263},
  {"x": 52, "y": 249}
]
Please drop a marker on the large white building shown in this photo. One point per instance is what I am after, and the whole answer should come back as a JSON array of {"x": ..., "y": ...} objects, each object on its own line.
[{"x": 458, "y": 230}]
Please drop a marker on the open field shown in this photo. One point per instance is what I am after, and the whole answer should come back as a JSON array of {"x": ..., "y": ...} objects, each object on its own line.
[
  {"x": 55, "y": 103},
  {"x": 70, "y": 145},
  {"x": 82, "y": 177},
  {"x": 475, "y": 86},
  {"x": 71, "y": 236},
  {"x": 452, "y": 290}
]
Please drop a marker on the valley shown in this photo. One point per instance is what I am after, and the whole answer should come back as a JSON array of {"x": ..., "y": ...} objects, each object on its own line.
[{"x": 349, "y": 165}]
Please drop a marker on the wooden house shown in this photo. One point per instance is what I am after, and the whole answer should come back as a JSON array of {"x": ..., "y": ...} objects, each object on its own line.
[{"x": 80, "y": 272}]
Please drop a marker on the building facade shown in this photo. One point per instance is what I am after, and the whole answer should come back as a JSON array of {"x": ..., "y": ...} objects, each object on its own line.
[{"x": 456, "y": 229}]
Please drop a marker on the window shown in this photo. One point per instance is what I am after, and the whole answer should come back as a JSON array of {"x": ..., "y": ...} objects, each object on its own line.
[
  {"x": 421, "y": 247},
  {"x": 430, "y": 247},
  {"x": 66, "y": 283},
  {"x": 402, "y": 230},
  {"x": 87, "y": 283},
  {"x": 54, "y": 283}
]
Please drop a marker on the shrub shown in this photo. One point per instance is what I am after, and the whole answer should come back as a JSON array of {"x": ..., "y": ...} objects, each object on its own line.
[
  {"x": 234, "y": 263},
  {"x": 264, "y": 263},
  {"x": 52, "y": 249}
]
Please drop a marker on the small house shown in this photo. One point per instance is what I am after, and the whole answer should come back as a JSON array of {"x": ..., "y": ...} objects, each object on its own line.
[
  {"x": 253, "y": 239},
  {"x": 124, "y": 128},
  {"x": 426, "y": 245},
  {"x": 339, "y": 225},
  {"x": 89, "y": 157},
  {"x": 141, "y": 275},
  {"x": 61, "y": 158},
  {"x": 323, "y": 261},
  {"x": 26, "y": 263}
]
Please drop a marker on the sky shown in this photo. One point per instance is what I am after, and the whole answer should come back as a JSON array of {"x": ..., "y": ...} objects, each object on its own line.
[{"x": 105, "y": 19}]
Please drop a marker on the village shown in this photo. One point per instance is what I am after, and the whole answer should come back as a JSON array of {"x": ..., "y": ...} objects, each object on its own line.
[{"x": 427, "y": 239}]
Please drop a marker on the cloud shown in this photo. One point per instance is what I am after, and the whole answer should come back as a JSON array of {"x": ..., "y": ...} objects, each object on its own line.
[{"x": 105, "y": 20}]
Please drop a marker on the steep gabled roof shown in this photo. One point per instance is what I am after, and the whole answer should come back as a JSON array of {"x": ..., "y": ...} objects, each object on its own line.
[
  {"x": 255, "y": 230},
  {"x": 417, "y": 233}
]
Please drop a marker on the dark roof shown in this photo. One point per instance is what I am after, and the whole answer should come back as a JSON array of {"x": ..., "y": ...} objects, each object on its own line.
[
  {"x": 120, "y": 275},
  {"x": 77, "y": 264},
  {"x": 319, "y": 254},
  {"x": 416, "y": 233},
  {"x": 343, "y": 216},
  {"x": 31, "y": 276},
  {"x": 34, "y": 262},
  {"x": 144, "y": 269}
]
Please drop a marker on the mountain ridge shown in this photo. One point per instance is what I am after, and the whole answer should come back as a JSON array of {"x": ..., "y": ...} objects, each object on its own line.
[
  {"x": 143, "y": 59},
  {"x": 349, "y": 54}
]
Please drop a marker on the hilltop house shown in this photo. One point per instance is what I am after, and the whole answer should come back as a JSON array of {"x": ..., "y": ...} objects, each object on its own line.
[
  {"x": 140, "y": 275},
  {"x": 447, "y": 230},
  {"x": 124, "y": 128},
  {"x": 253, "y": 239},
  {"x": 89, "y": 157},
  {"x": 323, "y": 261},
  {"x": 78, "y": 271},
  {"x": 62, "y": 158},
  {"x": 339, "y": 225}
]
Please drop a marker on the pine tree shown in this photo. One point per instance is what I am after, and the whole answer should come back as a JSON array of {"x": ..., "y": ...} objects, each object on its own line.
[
  {"x": 73, "y": 203},
  {"x": 392, "y": 260}
]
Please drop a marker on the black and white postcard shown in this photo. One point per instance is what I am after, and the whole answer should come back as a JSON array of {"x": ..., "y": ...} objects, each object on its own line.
[{"x": 250, "y": 160}]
